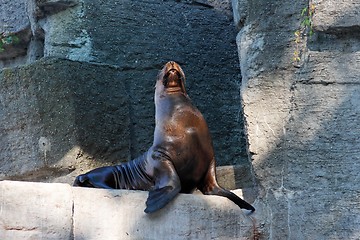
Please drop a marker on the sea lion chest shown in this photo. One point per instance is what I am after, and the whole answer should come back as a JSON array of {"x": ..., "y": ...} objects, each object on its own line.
[{"x": 182, "y": 133}]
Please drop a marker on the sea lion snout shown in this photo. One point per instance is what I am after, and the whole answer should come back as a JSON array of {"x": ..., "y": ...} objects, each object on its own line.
[
  {"x": 172, "y": 66},
  {"x": 173, "y": 77}
]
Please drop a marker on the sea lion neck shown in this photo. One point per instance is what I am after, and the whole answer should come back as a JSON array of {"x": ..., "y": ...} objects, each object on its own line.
[
  {"x": 168, "y": 103},
  {"x": 163, "y": 94}
]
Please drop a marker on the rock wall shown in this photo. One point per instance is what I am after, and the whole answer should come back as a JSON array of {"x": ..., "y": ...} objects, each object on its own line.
[
  {"x": 51, "y": 122},
  {"x": 301, "y": 104},
  {"x": 85, "y": 77},
  {"x": 299, "y": 95}
]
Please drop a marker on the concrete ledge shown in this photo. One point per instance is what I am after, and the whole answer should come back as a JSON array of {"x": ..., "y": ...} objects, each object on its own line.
[
  {"x": 58, "y": 211},
  {"x": 35, "y": 210}
]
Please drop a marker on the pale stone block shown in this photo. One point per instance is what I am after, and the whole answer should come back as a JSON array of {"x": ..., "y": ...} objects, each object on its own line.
[
  {"x": 35, "y": 211},
  {"x": 57, "y": 211},
  {"x": 119, "y": 214}
]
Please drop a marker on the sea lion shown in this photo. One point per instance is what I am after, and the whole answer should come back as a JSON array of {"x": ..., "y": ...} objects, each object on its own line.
[{"x": 181, "y": 158}]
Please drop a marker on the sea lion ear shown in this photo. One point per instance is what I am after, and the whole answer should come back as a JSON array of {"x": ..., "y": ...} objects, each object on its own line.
[
  {"x": 160, "y": 74},
  {"x": 183, "y": 79},
  {"x": 183, "y": 85}
]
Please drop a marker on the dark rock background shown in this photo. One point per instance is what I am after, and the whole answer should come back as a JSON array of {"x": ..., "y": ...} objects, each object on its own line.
[
  {"x": 201, "y": 39},
  {"x": 58, "y": 115}
]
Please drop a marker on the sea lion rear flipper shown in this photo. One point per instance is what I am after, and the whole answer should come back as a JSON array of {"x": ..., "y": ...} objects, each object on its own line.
[
  {"x": 211, "y": 187},
  {"x": 219, "y": 191},
  {"x": 167, "y": 186},
  {"x": 97, "y": 178}
]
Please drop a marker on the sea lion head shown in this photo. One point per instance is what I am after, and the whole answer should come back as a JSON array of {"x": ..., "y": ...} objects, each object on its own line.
[{"x": 171, "y": 79}]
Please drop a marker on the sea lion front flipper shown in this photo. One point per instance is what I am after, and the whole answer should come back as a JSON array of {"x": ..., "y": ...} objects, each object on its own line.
[
  {"x": 167, "y": 186},
  {"x": 158, "y": 198}
]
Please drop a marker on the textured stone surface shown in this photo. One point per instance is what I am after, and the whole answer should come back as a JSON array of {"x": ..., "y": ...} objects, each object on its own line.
[
  {"x": 322, "y": 158},
  {"x": 13, "y": 17},
  {"x": 35, "y": 211},
  {"x": 57, "y": 115},
  {"x": 144, "y": 35},
  {"x": 57, "y": 211},
  {"x": 240, "y": 12},
  {"x": 120, "y": 215},
  {"x": 301, "y": 118},
  {"x": 25, "y": 20},
  {"x": 337, "y": 16}
]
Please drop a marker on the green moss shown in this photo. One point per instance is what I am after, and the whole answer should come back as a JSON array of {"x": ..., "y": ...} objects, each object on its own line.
[{"x": 7, "y": 39}]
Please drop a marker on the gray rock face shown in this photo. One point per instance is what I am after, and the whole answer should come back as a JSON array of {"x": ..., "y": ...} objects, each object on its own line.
[
  {"x": 13, "y": 16},
  {"x": 141, "y": 37},
  {"x": 21, "y": 20},
  {"x": 301, "y": 118},
  {"x": 332, "y": 17},
  {"x": 56, "y": 114}
]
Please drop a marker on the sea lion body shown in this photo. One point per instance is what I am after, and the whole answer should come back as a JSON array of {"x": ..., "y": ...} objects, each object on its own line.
[{"x": 181, "y": 158}]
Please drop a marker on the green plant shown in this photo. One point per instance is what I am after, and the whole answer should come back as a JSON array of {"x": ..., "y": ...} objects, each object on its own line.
[
  {"x": 307, "y": 14},
  {"x": 7, "y": 39},
  {"x": 306, "y": 28}
]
